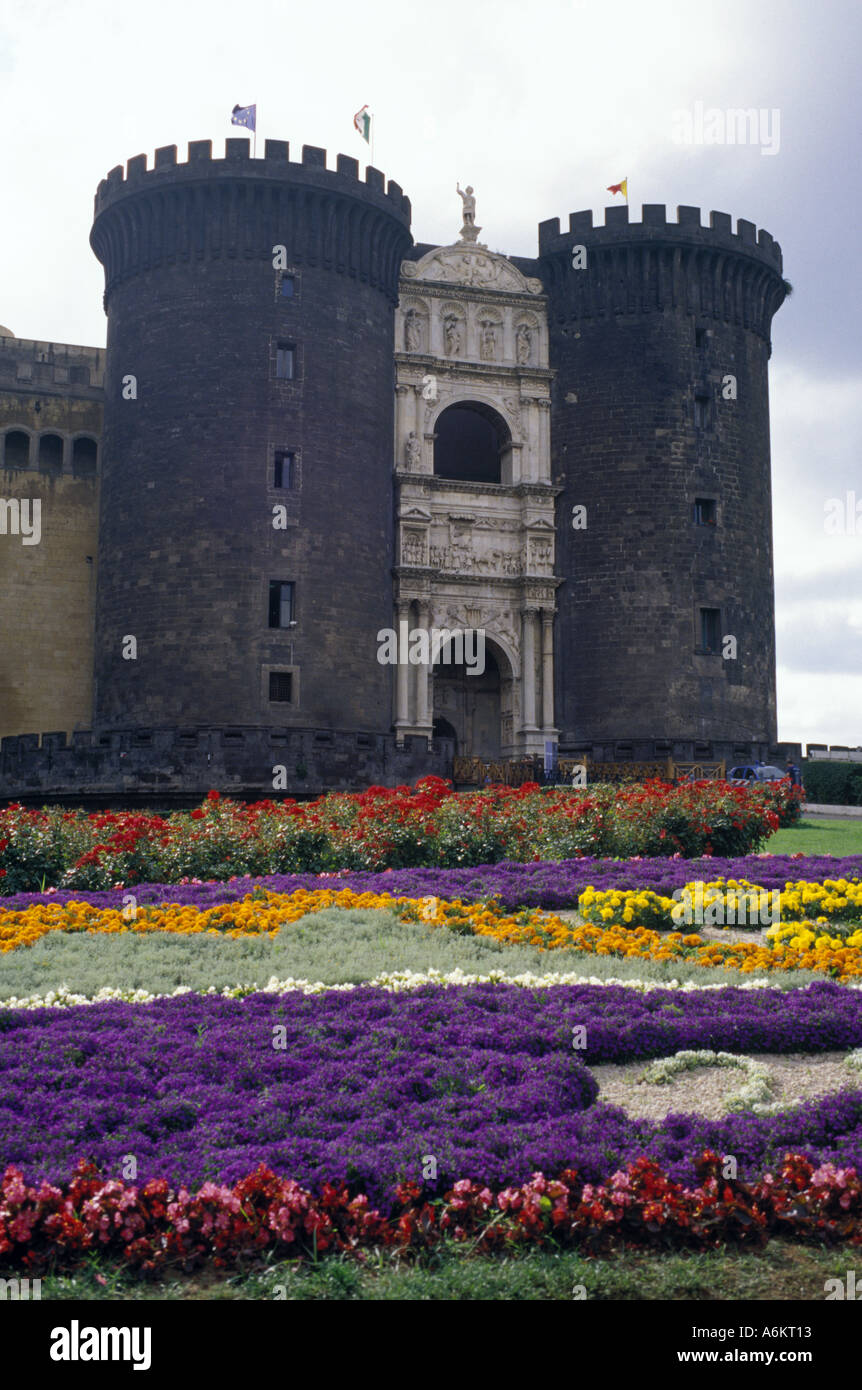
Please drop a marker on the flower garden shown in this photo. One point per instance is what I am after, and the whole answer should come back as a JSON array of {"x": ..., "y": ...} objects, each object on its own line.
[{"x": 412, "y": 1020}]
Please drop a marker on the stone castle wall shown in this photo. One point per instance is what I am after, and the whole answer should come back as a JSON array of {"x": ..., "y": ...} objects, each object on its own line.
[{"x": 50, "y": 431}]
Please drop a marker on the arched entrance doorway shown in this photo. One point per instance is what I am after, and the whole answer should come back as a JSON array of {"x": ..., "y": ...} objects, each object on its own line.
[
  {"x": 472, "y": 706},
  {"x": 443, "y": 729}
]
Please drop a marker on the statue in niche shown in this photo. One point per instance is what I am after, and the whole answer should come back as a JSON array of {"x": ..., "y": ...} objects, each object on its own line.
[
  {"x": 524, "y": 341},
  {"x": 413, "y": 452},
  {"x": 412, "y": 331},
  {"x": 469, "y": 231},
  {"x": 453, "y": 336},
  {"x": 488, "y": 341}
]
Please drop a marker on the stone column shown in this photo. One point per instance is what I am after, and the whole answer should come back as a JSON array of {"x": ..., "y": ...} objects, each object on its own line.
[
  {"x": 402, "y": 675},
  {"x": 419, "y": 424},
  {"x": 435, "y": 331},
  {"x": 547, "y": 669},
  {"x": 528, "y": 671},
  {"x": 508, "y": 337},
  {"x": 542, "y": 473},
  {"x": 533, "y": 441},
  {"x": 423, "y": 680},
  {"x": 402, "y": 422}
]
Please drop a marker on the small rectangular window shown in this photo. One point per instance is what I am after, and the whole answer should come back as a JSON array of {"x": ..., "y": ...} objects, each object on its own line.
[
  {"x": 701, "y": 412},
  {"x": 710, "y": 629},
  {"x": 281, "y": 603},
  {"x": 705, "y": 513},
  {"x": 288, "y": 286},
  {"x": 285, "y": 361},
  {"x": 281, "y": 686},
  {"x": 284, "y": 469}
]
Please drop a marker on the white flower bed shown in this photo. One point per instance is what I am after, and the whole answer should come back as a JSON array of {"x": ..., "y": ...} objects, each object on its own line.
[{"x": 393, "y": 981}]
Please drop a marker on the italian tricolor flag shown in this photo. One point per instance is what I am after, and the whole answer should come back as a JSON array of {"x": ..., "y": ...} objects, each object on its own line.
[{"x": 362, "y": 121}]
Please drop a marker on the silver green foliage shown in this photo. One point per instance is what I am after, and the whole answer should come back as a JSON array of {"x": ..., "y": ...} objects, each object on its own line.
[{"x": 335, "y": 946}]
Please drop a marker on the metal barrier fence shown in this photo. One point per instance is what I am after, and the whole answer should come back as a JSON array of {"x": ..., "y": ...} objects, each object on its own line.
[{"x": 514, "y": 772}]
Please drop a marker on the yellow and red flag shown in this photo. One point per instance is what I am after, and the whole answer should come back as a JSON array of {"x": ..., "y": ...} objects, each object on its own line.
[{"x": 620, "y": 188}]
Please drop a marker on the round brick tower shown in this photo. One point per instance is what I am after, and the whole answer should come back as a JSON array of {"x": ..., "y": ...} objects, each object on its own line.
[
  {"x": 248, "y": 439},
  {"x": 660, "y": 337}
]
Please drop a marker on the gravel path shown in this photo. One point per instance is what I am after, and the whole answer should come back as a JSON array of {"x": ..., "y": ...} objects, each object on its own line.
[{"x": 799, "y": 1075}]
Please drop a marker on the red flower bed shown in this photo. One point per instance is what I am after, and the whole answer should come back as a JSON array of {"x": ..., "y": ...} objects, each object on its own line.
[
  {"x": 152, "y": 1228},
  {"x": 428, "y": 825}
]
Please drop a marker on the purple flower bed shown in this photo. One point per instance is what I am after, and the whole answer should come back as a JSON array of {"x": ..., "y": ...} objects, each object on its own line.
[
  {"x": 548, "y": 883},
  {"x": 483, "y": 1078}
]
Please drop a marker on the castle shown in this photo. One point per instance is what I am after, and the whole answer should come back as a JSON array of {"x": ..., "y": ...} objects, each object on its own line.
[{"x": 307, "y": 429}]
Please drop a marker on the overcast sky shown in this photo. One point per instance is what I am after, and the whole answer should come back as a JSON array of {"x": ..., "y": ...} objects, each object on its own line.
[{"x": 540, "y": 106}]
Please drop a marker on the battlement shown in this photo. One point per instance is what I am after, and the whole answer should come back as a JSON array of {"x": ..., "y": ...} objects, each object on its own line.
[
  {"x": 65, "y": 368},
  {"x": 655, "y": 227},
  {"x": 275, "y": 165}
]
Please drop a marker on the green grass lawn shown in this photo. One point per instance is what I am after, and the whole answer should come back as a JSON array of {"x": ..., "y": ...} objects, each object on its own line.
[
  {"x": 819, "y": 835},
  {"x": 781, "y": 1270}
]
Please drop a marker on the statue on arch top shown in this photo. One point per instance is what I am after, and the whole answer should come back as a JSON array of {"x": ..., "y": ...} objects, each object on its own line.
[{"x": 469, "y": 231}]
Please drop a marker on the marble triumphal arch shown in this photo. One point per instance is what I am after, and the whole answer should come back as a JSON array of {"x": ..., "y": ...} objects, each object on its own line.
[{"x": 474, "y": 496}]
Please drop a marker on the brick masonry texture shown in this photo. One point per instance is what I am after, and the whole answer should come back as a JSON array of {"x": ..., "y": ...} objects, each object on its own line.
[
  {"x": 662, "y": 314},
  {"x": 47, "y": 591},
  {"x": 187, "y": 544}
]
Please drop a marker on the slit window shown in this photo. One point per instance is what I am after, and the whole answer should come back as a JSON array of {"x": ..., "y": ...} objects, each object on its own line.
[
  {"x": 705, "y": 511},
  {"x": 701, "y": 412},
  {"x": 285, "y": 361},
  {"x": 285, "y": 469},
  {"x": 288, "y": 286},
  {"x": 281, "y": 603},
  {"x": 710, "y": 629}
]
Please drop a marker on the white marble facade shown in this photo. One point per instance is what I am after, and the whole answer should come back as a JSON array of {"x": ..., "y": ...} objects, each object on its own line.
[{"x": 470, "y": 328}]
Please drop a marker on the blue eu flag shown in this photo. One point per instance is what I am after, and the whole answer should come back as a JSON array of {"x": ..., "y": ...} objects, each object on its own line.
[{"x": 245, "y": 116}]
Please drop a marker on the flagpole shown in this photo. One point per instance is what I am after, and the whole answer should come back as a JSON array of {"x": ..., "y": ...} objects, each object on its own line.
[{"x": 373, "y": 121}]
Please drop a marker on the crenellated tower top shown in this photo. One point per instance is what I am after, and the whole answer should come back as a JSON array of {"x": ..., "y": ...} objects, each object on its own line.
[
  {"x": 206, "y": 209},
  {"x": 657, "y": 264}
]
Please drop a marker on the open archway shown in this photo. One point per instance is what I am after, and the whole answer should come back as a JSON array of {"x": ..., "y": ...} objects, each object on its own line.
[
  {"x": 472, "y": 443},
  {"x": 473, "y": 705}
]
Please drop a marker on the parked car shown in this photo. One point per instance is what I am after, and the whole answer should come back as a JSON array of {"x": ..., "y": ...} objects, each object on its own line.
[{"x": 747, "y": 773}]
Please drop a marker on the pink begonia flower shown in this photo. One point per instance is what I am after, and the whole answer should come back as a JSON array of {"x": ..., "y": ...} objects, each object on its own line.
[
  {"x": 15, "y": 1189},
  {"x": 19, "y": 1229}
]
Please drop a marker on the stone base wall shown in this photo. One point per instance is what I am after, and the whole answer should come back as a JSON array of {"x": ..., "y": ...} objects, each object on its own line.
[
  {"x": 640, "y": 750},
  {"x": 179, "y": 766}
]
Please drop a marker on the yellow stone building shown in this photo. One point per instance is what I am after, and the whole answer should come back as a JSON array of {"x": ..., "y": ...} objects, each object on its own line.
[{"x": 50, "y": 440}]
